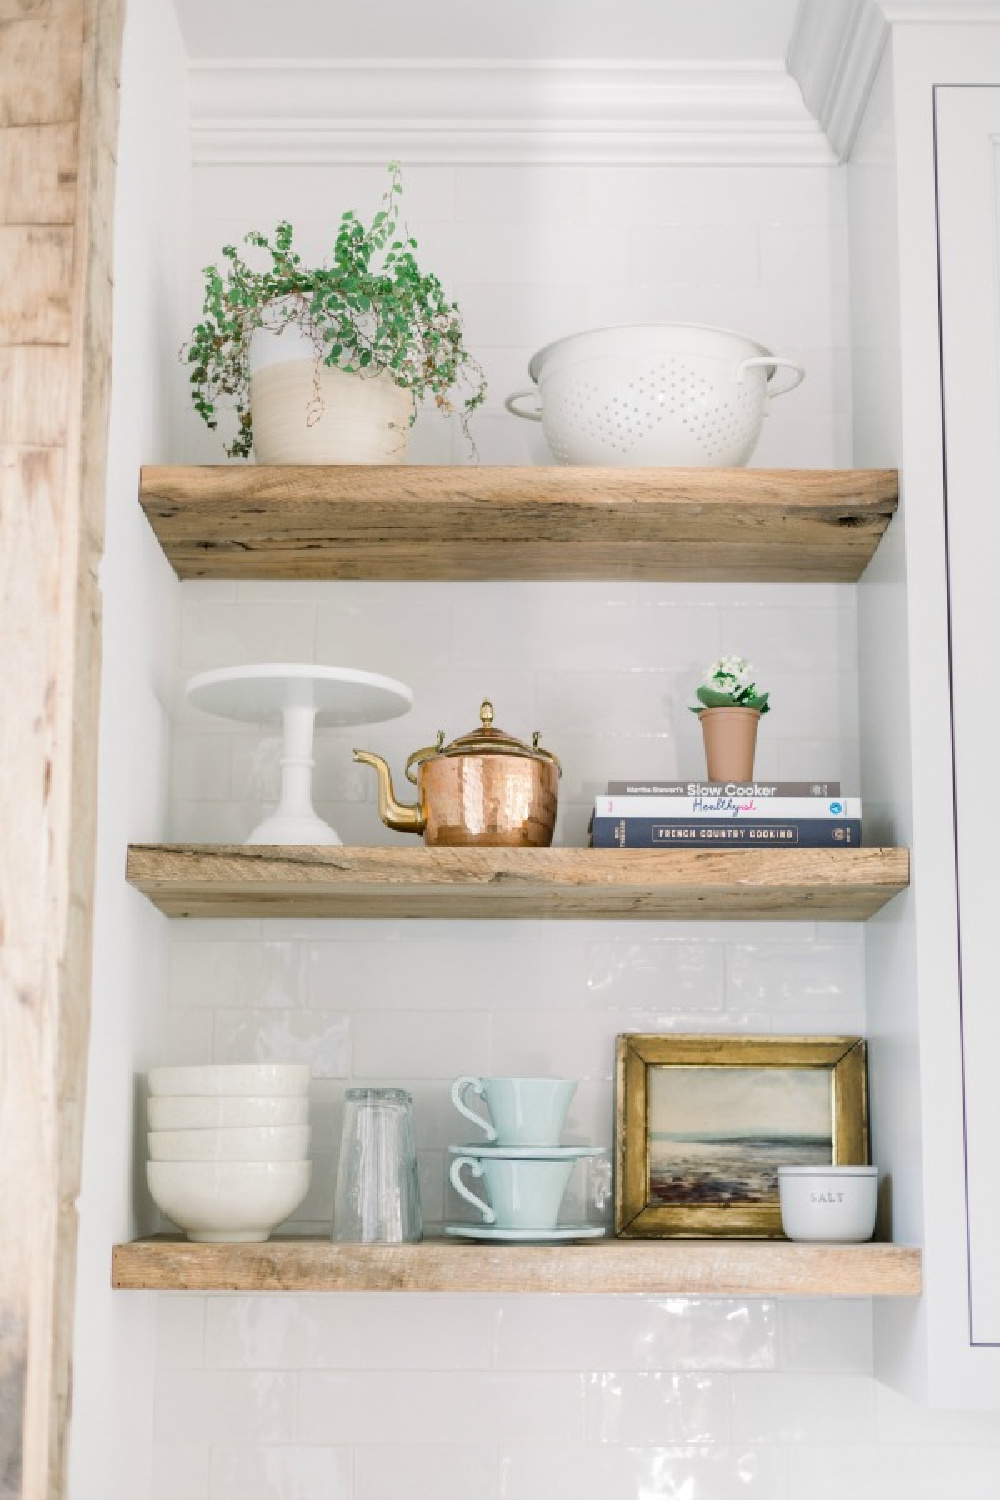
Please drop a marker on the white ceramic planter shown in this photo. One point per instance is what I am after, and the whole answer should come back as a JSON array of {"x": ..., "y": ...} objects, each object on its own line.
[
  {"x": 832, "y": 1204},
  {"x": 305, "y": 412}
]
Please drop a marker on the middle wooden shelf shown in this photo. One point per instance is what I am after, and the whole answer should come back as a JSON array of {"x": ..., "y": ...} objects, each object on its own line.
[{"x": 258, "y": 880}]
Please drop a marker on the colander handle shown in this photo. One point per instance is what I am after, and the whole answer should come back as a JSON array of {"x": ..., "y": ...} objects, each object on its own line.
[
  {"x": 773, "y": 362},
  {"x": 511, "y": 405}
]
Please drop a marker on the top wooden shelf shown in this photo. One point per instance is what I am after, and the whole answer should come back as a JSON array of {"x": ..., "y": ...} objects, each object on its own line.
[{"x": 418, "y": 522}]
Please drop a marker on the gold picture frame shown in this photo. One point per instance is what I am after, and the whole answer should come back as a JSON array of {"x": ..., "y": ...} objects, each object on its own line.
[{"x": 703, "y": 1181}]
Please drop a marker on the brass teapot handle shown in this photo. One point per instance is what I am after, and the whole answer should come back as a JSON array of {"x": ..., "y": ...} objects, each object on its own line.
[{"x": 416, "y": 760}]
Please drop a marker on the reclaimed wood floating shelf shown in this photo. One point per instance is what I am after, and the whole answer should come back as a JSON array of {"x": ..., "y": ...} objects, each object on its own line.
[
  {"x": 420, "y": 522},
  {"x": 257, "y": 880},
  {"x": 696, "y": 1268}
]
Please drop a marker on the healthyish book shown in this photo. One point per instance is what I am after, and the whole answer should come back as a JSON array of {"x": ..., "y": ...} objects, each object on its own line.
[
  {"x": 703, "y": 805},
  {"x": 724, "y": 788},
  {"x": 722, "y": 833}
]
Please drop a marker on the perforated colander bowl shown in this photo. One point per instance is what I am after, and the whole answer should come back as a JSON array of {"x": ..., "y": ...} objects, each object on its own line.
[{"x": 671, "y": 394}]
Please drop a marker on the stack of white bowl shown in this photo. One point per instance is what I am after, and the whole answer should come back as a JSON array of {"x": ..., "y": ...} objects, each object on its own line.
[{"x": 228, "y": 1147}]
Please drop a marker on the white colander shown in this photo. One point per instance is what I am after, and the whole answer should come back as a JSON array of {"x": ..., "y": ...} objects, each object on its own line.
[{"x": 671, "y": 394}]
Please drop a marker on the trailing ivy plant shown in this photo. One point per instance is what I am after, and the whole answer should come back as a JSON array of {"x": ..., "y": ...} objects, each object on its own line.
[
  {"x": 728, "y": 683},
  {"x": 369, "y": 309}
]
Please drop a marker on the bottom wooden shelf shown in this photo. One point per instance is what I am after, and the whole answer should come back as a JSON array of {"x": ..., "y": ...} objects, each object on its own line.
[{"x": 732, "y": 1268}]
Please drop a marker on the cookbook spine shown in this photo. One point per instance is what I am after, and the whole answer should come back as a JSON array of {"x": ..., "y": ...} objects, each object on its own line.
[
  {"x": 742, "y": 809},
  {"x": 723, "y": 789},
  {"x": 655, "y": 833}
]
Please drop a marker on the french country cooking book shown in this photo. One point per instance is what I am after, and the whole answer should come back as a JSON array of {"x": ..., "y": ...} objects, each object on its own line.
[
  {"x": 705, "y": 805},
  {"x": 694, "y": 788},
  {"x": 716, "y": 833}
]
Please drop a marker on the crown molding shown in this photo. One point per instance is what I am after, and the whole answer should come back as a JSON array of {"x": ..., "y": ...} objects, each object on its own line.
[
  {"x": 834, "y": 53},
  {"x": 454, "y": 111},
  {"x": 940, "y": 12}
]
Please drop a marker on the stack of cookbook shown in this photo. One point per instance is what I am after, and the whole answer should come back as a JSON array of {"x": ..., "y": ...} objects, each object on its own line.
[{"x": 729, "y": 815}]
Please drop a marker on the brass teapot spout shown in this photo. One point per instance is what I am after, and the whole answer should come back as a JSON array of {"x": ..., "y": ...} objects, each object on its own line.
[{"x": 397, "y": 815}]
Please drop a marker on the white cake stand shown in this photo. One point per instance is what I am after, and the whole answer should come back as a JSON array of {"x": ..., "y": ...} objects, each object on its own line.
[{"x": 301, "y": 697}]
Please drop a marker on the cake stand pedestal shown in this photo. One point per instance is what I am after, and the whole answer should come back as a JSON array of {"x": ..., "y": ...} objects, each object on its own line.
[{"x": 300, "y": 697}]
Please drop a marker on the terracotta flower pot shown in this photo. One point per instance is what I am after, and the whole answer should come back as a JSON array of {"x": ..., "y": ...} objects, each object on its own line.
[{"x": 730, "y": 741}]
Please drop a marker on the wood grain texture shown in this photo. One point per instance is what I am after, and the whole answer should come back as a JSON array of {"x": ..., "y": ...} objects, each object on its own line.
[
  {"x": 41, "y": 80},
  {"x": 399, "y": 522},
  {"x": 38, "y": 174},
  {"x": 197, "y": 880},
  {"x": 691, "y": 1268},
  {"x": 40, "y": 262},
  {"x": 58, "y": 88}
]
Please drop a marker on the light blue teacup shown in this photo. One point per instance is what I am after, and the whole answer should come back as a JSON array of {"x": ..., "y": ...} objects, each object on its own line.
[
  {"x": 523, "y": 1111},
  {"x": 523, "y": 1194}
]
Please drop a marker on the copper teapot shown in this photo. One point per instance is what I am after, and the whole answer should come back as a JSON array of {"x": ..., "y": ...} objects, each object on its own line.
[{"x": 485, "y": 788}]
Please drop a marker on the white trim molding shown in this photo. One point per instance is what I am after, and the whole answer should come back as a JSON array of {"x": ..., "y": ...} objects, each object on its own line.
[
  {"x": 453, "y": 111},
  {"x": 834, "y": 53}
]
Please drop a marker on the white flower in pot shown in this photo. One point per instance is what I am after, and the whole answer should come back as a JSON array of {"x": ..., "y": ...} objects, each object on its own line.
[
  {"x": 729, "y": 708},
  {"x": 328, "y": 364}
]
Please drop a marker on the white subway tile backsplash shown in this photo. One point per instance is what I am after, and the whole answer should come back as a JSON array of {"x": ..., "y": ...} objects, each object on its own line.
[
  {"x": 777, "y": 640},
  {"x": 636, "y": 1410},
  {"x": 501, "y": 313},
  {"x": 822, "y": 1335},
  {"x": 875, "y": 1472},
  {"x": 635, "y": 1333},
  {"x": 180, "y": 1332},
  {"x": 425, "y": 1044},
  {"x": 657, "y": 976},
  {"x": 180, "y": 1471},
  {"x": 322, "y": 1040},
  {"x": 785, "y": 1408},
  {"x": 593, "y": 1472},
  {"x": 384, "y": 637},
  {"x": 719, "y": 196},
  {"x": 224, "y": 635},
  {"x": 435, "y": 1408},
  {"x": 460, "y": 1471},
  {"x": 402, "y": 1331},
  {"x": 551, "y": 255},
  {"x": 520, "y": 195},
  {"x": 274, "y": 1472},
  {"x": 227, "y": 1406},
  {"x": 559, "y": 1045},
  {"x": 666, "y": 255},
  {"x": 779, "y": 977}
]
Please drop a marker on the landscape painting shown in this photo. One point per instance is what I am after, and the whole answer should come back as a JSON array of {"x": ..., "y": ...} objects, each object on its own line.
[{"x": 717, "y": 1135}]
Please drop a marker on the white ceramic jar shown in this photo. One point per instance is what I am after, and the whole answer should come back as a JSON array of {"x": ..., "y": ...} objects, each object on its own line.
[{"x": 833, "y": 1204}]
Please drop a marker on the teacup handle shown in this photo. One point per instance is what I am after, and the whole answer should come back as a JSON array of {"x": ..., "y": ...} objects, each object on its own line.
[
  {"x": 476, "y": 1169},
  {"x": 458, "y": 1090}
]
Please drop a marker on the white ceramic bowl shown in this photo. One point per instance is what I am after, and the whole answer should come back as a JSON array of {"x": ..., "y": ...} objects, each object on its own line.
[
  {"x": 228, "y": 1200},
  {"x": 248, "y": 1143},
  {"x": 283, "y": 1079},
  {"x": 219, "y": 1111},
  {"x": 833, "y": 1204}
]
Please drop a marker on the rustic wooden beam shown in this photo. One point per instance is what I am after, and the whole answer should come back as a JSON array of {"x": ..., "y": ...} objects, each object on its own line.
[
  {"x": 258, "y": 880},
  {"x": 689, "y": 1268},
  {"x": 58, "y": 111},
  {"x": 422, "y": 522}
]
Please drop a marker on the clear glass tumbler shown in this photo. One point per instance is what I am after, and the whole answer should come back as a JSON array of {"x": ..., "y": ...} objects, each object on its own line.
[{"x": 378, "y": 1198}]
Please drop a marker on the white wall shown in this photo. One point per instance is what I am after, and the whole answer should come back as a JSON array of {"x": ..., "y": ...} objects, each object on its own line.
[{"x": 115, "y": 1336}]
